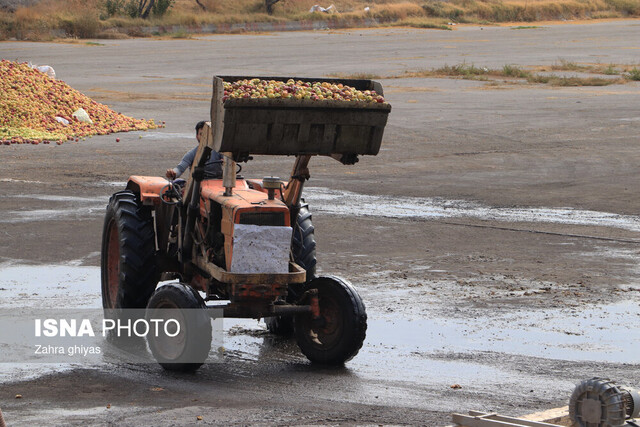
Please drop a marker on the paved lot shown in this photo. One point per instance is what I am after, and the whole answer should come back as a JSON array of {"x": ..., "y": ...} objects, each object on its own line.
[{"x": 494, "y": 239}]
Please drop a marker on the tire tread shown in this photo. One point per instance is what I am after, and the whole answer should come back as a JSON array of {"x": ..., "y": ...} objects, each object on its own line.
[{"x": 137, "y": 264}]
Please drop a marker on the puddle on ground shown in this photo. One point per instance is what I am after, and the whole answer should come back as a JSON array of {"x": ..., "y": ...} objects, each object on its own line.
[
  {"x": 80, "y": 416},
  {"x": 121, "y": 184},
  {"x": 49, "y": 286},
  {"x": 354, "y": 204},
  {"x": 56, "y": 198},
  {"x": 77, "y": 208},
  {"x": 46, "y": 286},
  {"x": 623, "y": 258},
  {"x": 401, "y": 348},
  {"x": 78, "y": 214},
  {"x": 22, "y": 181}
]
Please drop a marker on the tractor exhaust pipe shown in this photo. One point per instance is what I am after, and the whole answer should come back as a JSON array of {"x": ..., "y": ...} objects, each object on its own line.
[{"x": 228, "y": 174}]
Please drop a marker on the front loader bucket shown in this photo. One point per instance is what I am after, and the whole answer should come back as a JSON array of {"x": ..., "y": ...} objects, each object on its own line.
[{"x": 297, "y": 127}]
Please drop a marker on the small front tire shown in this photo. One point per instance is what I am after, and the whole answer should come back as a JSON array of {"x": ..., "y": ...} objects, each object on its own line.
[
  {"x": 189, "y": 348},
  {"x": 339, "y": 333}
]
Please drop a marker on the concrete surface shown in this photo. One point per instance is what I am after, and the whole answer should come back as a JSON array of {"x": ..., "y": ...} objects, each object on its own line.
[{"x": 514, "y": 308}]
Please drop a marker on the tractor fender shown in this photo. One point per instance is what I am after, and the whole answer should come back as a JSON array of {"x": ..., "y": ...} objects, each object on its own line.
[{"x": 147, "y": 188}]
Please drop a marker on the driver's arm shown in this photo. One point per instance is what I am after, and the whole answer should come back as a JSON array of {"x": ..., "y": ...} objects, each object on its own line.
[{"x": 184, "y": 164}]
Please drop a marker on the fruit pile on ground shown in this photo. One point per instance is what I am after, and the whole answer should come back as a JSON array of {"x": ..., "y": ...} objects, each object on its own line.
[
  {"x": 291, "y": 89},
  {"x": 30, "y": 102}
]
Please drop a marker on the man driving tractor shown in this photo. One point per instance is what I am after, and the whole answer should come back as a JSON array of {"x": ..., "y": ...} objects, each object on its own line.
[{"x": 213, "y": 167}]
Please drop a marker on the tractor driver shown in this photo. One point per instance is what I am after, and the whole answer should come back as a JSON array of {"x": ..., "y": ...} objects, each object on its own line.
[{"x": 213, "y": 167}]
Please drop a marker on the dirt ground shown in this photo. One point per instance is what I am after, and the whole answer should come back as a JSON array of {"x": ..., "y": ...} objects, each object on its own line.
[{"x": 494, "y": 239}]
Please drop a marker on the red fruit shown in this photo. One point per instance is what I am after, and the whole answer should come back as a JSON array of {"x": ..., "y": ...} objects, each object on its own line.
[{"x": 117, "y": 139}]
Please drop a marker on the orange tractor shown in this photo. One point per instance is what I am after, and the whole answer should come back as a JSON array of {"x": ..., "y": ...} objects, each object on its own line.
[{"x": 244, "y": 245}]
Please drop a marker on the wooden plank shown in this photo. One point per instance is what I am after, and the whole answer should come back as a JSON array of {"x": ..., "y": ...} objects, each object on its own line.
[
  {"x": 217, "y": 113},
  {"x": 206, "y": 140},
  {"x": 555, "y": 416},
  {"x": 522, "y": 421},
  {"x": 479, "y": 419},
  {"x": 470, "y": 421}
]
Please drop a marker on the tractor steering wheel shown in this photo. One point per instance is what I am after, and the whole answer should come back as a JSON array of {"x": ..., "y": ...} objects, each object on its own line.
[{"x": 171, "y": 194}]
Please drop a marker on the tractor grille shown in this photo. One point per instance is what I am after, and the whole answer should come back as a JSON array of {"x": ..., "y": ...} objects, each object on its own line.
[{"x": 262, "y": 218}]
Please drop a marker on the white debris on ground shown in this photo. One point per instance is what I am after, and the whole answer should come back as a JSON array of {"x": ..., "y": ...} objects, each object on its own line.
[{"x": 318, "y": 8}]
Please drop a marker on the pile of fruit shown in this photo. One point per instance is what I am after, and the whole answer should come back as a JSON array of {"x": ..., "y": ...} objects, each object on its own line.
[
  {"x": 291, "y": 89},
  {"x": 35, "y": 108}
]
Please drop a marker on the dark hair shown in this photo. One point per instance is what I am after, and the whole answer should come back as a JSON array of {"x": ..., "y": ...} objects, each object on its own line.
[{"x": 200, "y": 125}]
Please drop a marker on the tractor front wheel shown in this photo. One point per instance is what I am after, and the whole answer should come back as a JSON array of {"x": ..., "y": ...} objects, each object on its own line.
[
  {"x": 186, "y": 345},
  {"x": 337, "y": 335},
  {"x": 128, "y": 264}
]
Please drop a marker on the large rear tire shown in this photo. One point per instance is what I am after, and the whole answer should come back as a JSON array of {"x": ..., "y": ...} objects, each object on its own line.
[
  {"x": 188, "y": 350},
  {"x": 303, "y": 248},
  {"x": 339, "y": 333},
  {"x": 128, "y": 264},
  {"x": 303, "y": 242}
]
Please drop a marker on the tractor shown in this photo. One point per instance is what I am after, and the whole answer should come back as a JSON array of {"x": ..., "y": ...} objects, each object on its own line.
[{"x": 244, "y": 245}]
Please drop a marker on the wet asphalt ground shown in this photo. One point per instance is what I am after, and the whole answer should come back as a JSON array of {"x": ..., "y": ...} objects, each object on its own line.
[{"x": 494, "y": 240}]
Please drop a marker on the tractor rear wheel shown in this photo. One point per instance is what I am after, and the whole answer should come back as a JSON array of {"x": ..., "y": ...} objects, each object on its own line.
[
  {"x": 338, "y": 334},
  {"x": 303, "y": 242},
  {"x": 303, "y": 248},
  {"x": 184, "y": 349},
  {"x": 128, "y": 264}
]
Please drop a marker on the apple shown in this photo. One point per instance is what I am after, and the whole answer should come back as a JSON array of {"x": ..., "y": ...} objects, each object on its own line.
[{"x": 316, "y": 91}]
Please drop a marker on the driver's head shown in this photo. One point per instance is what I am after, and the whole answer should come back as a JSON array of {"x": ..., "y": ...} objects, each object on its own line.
[{"x": 199, "y": 127}]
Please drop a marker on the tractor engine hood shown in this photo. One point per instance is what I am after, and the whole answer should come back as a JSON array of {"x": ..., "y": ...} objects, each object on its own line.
[{"x": 257, "y": 231}]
